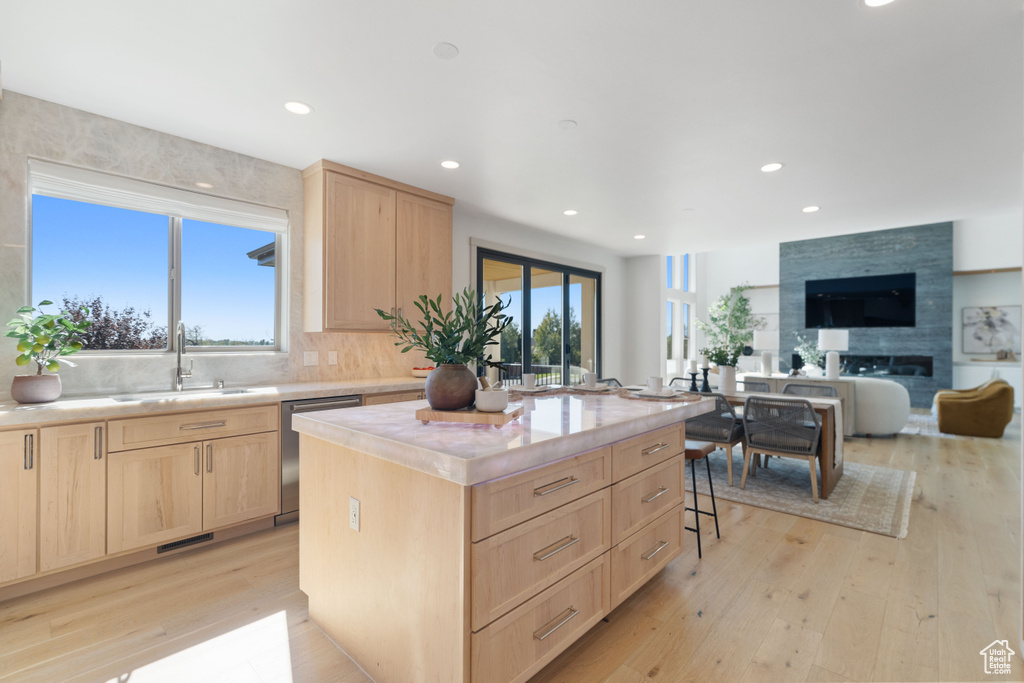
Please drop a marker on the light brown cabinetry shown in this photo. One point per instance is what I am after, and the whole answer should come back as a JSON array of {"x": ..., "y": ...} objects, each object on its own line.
[
  {"x": 370, "y": 243},
  {"x": 170, "y": 492},
  {"x": 393, "y": 397},
  {"x": 19, "y": 477},
  {"x": 72, "y": 495}
]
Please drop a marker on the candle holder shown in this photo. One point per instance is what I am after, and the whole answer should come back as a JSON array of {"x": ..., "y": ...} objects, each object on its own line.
[
  {"x": 705, "y": 388},
  {"x": 693, "y": 381}
]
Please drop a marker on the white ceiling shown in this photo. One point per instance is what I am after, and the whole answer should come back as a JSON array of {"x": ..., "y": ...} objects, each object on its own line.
[{"x": 901, "y": 115}]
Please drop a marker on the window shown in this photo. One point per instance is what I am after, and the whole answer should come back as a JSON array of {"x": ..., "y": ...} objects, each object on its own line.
[
  {"x": 142, "y": 257},
  {"x": 680, "y": 301},
  {"x": 541, "y": 296}
]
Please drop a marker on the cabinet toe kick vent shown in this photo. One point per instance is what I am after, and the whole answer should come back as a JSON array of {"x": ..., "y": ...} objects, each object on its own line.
[{"x": 201, "y": 538}]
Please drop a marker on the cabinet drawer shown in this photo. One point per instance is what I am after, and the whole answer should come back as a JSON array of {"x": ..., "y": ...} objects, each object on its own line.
[
  {"x": 503, "y": 503},
  {"x": 163, "y": 430},
  {"x": 645, "y": 553},
  {"x": 519, "y": 644},
  {"x": 639, "y": 453},
  {"x": 645, "y": 496},
  {"x": 510, "y": 567},
  {"x": 395, "y": 397}
]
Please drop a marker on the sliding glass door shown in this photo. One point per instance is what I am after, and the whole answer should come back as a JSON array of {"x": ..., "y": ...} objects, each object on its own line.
[{"x": 542, "y": 296}]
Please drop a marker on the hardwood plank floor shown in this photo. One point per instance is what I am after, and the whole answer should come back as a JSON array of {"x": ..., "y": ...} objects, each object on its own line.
[{"x": 778, "y": 598}]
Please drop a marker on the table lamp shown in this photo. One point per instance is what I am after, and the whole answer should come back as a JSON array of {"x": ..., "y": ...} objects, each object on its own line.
[
  {"x": 766, "y": 341},
  {"x": 833, "y": 341}
]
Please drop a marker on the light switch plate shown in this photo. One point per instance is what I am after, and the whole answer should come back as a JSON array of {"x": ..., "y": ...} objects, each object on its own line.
[
  {"x": 310, "y": 358},
  {"x": 332, "y": 357}
]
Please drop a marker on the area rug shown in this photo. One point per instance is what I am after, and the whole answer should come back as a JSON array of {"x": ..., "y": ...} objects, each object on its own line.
[
  {"x": 866, "y": 497},
  {"x": 923, "y": 425}
]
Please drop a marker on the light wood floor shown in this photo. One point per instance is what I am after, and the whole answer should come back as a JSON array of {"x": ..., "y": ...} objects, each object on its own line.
[{"x": 778, "y": 598}]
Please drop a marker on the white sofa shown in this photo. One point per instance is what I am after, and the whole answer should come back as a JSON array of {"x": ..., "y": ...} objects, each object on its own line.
[{"x": 882, "y": 406}]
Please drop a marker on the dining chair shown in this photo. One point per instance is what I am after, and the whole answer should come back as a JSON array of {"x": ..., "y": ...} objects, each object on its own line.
[
  {"x": 750, "y": 385},
  {"x": 610, "y": 381},
  {"x": 679, "y": 382},
  {"x": 798, "y": 389},
  {"x": 786, "y": 427},
  {"x": 719, "y": 427}
]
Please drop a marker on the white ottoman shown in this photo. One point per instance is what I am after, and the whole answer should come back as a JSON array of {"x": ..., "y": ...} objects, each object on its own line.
[{"x": 883, "y": 406}]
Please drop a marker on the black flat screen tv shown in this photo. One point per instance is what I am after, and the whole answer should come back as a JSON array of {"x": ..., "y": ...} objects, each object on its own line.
[{"x": 870, "y": 301}]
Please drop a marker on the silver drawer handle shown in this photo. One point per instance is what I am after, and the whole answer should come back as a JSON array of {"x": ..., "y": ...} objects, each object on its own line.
[
  {"x": 209, "y": 458},
  {"x": 197, "y": 460},
  {"x": 30, "y": 456},
  {"x": 97, "y": 443},
  {"x": 651, "y": 553},
  {"x": 562, "y": 619},
  {"x": 555, "y": 486},
  {"x": 654, "y": 449},
  {"x": 202, "y": 425},
  {"x": 545, "y": 553},
  {"x": 656, "y": 494}
]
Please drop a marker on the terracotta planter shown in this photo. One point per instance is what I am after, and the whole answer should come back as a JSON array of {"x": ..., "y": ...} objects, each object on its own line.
[
  {"x": 450, "y": 387},
  {"x": 35, "y": 388}
]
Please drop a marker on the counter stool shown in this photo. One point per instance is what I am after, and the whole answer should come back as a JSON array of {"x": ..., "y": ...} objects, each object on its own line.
[{"x": 700, "y": 451}]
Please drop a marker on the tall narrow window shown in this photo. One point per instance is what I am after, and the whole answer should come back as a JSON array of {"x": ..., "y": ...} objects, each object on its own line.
[{"x": 555, "y": 311}]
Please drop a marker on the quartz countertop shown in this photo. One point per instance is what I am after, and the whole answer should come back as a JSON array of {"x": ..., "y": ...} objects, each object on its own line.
[
  {"x": 101, "y": 407},
  {"x": 552, "y": 427}
]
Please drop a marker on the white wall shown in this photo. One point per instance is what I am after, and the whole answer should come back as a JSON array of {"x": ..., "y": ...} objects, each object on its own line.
[
  {"x": 988, "y": 242},
  {"x": 644, "y": 319},
  {"x": 471, "y": 226}
]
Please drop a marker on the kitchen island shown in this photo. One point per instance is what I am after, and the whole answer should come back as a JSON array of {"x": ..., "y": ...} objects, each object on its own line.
[{"x": 480, "y": 554}]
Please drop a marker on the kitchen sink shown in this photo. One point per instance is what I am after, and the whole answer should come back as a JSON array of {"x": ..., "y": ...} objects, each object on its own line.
[{"x": 150, "y": 396}]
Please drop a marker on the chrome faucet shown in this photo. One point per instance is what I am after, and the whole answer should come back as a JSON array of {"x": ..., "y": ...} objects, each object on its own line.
[{"x": 179, "y": 344}]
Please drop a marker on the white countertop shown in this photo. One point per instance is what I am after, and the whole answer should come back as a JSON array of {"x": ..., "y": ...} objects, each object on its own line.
[
  {"x": 553, "y": 427},
  {"x": 100, "y": 407}
]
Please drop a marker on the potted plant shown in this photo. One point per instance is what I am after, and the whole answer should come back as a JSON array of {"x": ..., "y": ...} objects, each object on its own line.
[
  {"x": 46, "y": 339},
  {"x": 451, "y": 340},
  {"x": 812, "y": 357},
  {"x": 730, "y": 326}
]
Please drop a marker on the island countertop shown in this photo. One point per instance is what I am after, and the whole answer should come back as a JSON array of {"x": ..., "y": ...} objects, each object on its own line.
[{"x": 552, "y": 427}]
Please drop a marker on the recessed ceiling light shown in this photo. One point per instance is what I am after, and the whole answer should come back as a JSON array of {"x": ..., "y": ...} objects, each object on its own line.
[
  {"x": 300, "y": 108},
  {"x": 567, "y": 124},
  {"x": 877, "y": 3},
  {"x": 639, "y": 237},
  {"x": 774, "y": 166},
  {"x": 446, "y": 51},
  {"x": 810, "y": 209},
  {"x": 570, "y": 212},
  {"x": 205, "y": 186},
  {"x": 450, "y": 164}
]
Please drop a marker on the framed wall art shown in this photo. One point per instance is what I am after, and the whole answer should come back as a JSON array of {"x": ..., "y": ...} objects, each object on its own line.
[{"x": 991, "y": 329}]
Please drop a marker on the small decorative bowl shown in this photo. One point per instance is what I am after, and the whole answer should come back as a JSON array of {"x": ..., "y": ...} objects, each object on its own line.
[
  {"x": 421, "y": 372},
  {"x": 491, "y": 401}
]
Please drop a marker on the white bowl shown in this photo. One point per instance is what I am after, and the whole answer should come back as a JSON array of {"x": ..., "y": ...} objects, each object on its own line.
[{"x": 491, "y": 401}]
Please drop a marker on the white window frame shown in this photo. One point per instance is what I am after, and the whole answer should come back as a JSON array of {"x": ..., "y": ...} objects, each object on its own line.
[
  {"x": 678, "y": 297},
  {"x": 94, "y": 187}
]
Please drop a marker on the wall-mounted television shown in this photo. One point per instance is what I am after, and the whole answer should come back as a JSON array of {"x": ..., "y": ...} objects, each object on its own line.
[{"x": 869, "y": 301}]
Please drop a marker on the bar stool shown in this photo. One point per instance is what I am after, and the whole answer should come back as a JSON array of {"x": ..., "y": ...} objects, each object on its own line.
[{"x": 700, "y": 451}]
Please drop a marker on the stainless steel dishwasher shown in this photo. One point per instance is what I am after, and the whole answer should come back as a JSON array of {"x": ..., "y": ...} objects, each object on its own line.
[{"x": 290, "y": 448}]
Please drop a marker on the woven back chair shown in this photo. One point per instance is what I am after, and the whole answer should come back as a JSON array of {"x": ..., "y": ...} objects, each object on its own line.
[
  {"x": 751, "y": 385},
  {"x": 797, "y": 389},
  {"x": 719, "y": 427},
  {"x": 787, "y": 427},
  {"x": 610, "y": 381},
  {"x": 679, "y": 382}
]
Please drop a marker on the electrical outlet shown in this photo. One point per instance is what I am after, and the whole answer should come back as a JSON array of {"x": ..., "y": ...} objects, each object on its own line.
[
  {"x": 353, "y": 513},
  {"x": 332, "y": 357},
  {"x": 310, "y": 358}
]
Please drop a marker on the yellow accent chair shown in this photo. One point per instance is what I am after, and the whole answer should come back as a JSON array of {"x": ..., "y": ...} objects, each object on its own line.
[{"x": 981, "y": 411}]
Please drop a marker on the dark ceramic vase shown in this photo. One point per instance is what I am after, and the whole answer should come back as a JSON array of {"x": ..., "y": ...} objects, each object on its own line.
[{"x": 450, "y": 387}]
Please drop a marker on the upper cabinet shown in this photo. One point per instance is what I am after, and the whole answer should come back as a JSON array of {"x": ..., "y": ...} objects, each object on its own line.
[{"x": 371, "y": 243}]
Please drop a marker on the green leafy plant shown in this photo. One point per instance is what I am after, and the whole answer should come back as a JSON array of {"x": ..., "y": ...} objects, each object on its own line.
[
  {"x": 809, "y": 352},
  {"x": 46, "y": 338},
  {"x": 457, "y": 337},
  {"x": 730, "y": 326}
]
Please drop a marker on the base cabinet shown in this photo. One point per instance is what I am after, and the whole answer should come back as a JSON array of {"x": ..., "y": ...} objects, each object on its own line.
[
  {"x": 19, "y": 482},
  {"x": 158, "y": 495},
  {"x": 72, "y": 495}
]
